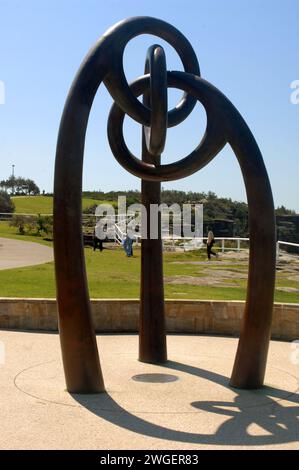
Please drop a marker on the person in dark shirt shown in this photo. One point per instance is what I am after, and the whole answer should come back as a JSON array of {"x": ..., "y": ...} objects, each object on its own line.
[
  {"x": 97, "y": 242},
  {"x": 210, "y": 243}
]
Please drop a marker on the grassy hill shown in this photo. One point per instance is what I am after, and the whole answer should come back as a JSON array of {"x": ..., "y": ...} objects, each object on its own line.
[{"x": 43, "y": 204}]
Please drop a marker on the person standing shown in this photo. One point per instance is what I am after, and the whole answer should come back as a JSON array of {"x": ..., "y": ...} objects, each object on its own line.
[
  {"x": 210, "y": 243},
  {"x": 97, "y": 242},
  {"x": 128, "y": 245}
]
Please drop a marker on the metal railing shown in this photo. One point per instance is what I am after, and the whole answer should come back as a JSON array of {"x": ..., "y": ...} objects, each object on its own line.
[
  {"x": 198, "y": 242},
  {"x": 188, "y": 243},
  {"x": 280, "y": 242}
]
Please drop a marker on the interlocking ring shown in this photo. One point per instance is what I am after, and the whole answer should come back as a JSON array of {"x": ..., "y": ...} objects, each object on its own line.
[
  {"x": 155, "y": 66},
  {"x": 114, "y": 42},
  {"x": 213, "y": 140}
]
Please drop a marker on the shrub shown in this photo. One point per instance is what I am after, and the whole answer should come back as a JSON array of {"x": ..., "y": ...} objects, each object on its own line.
[
  {"x": 18, "y": 221},
  {"x": 6, "y": 204}
]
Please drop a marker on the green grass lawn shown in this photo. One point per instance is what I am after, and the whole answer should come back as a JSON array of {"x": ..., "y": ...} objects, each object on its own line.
[
  {"x": 43, "y": 204},
  {"x": 112, "y": 275}
]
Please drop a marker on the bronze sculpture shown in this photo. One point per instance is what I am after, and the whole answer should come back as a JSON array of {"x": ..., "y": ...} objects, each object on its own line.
[{"x": 224, "y": 125}]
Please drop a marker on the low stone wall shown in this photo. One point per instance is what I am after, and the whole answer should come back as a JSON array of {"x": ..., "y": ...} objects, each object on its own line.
[{"x": 121, "y": 316}]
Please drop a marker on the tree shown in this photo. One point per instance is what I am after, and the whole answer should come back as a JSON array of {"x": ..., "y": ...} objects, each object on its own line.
[
  {"x": 32, "y": 188},
  {"x": 20, "y": 186},
  {"x": 282, "y": 210},
  {"x": 6, "y": 204}
]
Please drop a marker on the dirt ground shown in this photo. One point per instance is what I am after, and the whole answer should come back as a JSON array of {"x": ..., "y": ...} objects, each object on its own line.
[{"x": 230, "y": 267}]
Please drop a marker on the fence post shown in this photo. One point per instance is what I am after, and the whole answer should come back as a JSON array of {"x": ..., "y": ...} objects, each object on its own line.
[
  {"x": 222, "y": 245},
  {"x": 238, "y": 245}
]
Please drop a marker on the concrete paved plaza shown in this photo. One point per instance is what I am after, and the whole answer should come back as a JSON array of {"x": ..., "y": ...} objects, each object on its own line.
[
  {"x": 16, "y": 253},
  {"x": 186, "y": 404}
]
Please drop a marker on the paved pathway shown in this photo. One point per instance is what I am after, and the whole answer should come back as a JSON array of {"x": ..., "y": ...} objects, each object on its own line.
[
  {"x": 18, "y": 253},
  {"x": 186, "y": 404}
]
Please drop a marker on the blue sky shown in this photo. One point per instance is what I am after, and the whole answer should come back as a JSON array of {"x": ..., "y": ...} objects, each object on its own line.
[{"x": 248, "y": 49}]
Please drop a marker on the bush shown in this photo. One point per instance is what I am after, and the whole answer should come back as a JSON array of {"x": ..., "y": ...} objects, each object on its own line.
[
  {"x": 44, "y": 225},
  {"x": 33, "y": 225},
  {"x": 19, "y": 221},
  {"x": 6, "y": 204}
]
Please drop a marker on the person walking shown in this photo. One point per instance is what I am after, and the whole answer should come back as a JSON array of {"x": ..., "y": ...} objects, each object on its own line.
[{"x": 210, "y": 243}]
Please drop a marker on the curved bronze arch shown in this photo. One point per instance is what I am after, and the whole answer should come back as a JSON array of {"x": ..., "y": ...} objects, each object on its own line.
[{"x": 79, "y": 349}]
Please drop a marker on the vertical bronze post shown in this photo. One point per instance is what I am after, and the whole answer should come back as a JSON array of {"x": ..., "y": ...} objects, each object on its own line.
[
  {"x": 152, "y": 334},
  {"x": 251, "y": 357},
  {"x": 78, "y": 342}
]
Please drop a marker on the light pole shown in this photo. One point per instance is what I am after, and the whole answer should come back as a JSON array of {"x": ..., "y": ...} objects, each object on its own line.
[{"x": 13, "y": 179}]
